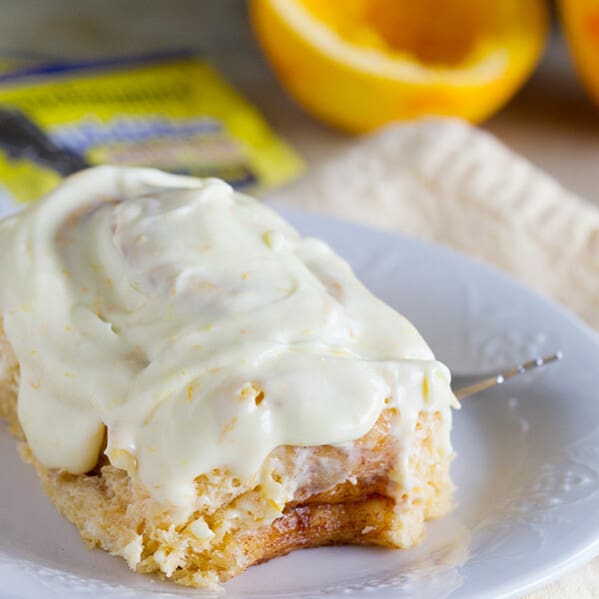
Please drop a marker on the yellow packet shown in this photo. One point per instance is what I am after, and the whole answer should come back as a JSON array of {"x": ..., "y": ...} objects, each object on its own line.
[{"x": 171, "y": 111}]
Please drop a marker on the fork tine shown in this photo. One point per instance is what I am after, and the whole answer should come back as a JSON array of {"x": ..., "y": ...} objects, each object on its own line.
[{"x": 486, "y": 381}]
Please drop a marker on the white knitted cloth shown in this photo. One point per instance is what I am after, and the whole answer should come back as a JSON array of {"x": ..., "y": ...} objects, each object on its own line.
[{"x": 447, "y": 181}]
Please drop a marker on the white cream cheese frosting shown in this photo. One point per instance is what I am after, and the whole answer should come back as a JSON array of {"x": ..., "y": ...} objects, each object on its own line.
[{"x": 198, "y": 329}]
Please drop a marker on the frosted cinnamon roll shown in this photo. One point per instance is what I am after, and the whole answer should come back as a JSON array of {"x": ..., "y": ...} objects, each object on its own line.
[{"x": 200, "y": 388}]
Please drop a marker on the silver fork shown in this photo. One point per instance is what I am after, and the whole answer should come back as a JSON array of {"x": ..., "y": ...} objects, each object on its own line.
[{"x": 465, "y": 385}]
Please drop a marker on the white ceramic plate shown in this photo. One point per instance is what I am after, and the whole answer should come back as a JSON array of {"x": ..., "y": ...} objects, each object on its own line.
[{"x": 527, "y": 471}]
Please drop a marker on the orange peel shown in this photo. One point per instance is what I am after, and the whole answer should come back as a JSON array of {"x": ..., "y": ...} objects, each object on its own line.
[{"x": 360, "y": 64}]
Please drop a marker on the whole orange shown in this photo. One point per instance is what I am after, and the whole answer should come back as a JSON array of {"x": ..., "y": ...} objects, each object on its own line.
[{"x": 580, "y": 19}]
